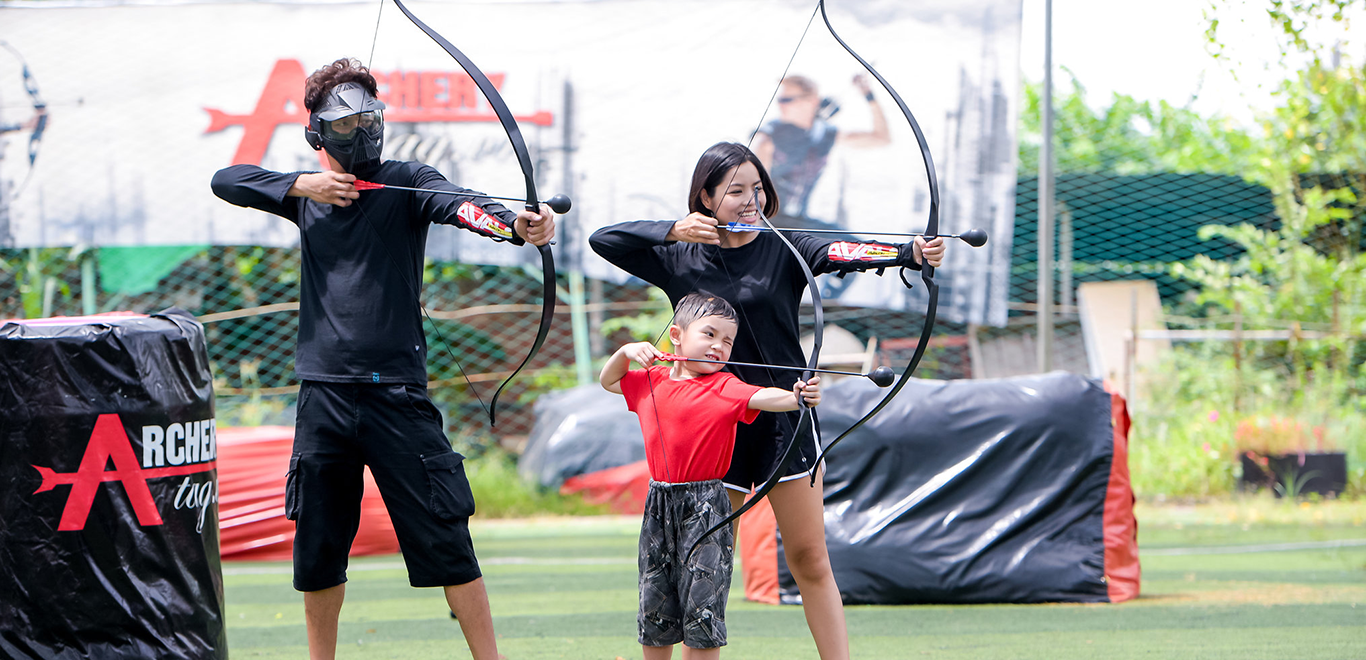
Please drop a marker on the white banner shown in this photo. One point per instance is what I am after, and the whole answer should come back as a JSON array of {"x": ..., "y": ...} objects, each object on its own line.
[{"x": 617, "y": 100}]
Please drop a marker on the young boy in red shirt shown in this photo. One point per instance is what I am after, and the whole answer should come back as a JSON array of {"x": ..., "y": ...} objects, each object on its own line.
[{"x": 688, "y": 414}]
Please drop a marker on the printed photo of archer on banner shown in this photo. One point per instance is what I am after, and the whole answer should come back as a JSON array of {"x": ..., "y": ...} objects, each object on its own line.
[{"x": 615, "y": 112}]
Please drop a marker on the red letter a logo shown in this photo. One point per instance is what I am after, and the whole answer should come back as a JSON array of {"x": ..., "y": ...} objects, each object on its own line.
[{"x": 107, "y": 441}]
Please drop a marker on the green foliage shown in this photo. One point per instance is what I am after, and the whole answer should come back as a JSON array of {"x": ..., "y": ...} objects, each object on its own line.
[
  {"x": 1319, "y": 127},
  {"x": 1282, "y": 281},
  {"x": 1319, "y": 123},
  {"x": 259, "y": 274},
  {"x": 649, "y": 325},
  {"x": 1280, "y": 276},
  {"x": 1130, "y": 136},
  {"x": 452, "y": 271},
  {"x": 554, "y": 377},
  {"x": 1184, "y": 442},
  {"x": 1294, "y": 22},
  {"x": 42, "y": 274},
  {"x": 1305, "y": 276},
  {"x": 253, "y": 410},
  {"x": 1294, "y": 484},
  {"x": 1179, "y": 445},
  {"x": 500, "y": 493}
]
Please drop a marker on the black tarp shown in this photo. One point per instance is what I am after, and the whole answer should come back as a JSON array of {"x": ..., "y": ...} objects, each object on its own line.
[
  {"x": 967, "y": 492},
  {"x": 108, "y": 490},
  {"x": 578, "y": 431}
]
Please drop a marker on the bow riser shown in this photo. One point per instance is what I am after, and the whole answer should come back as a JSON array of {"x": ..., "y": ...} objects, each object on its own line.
[{"x": 519, "y": 147}]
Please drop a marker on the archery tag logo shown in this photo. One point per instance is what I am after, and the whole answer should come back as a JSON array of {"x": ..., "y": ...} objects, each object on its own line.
[
  {"x": 477, "y": 218},
  {"x": 180, "y": 449},
  {"x": 411, "y": 96},
  {"x": 842, "y": 251}
]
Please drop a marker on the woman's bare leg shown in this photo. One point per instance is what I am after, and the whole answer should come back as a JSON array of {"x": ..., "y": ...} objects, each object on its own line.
[{"x": 799, "y": 510}]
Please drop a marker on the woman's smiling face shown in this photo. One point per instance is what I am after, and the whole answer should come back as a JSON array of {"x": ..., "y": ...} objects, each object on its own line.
[{"x": 739, "y": 197}]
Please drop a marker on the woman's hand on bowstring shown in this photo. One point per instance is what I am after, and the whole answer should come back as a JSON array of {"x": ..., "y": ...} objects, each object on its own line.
[{"x": 695, "y": 228}]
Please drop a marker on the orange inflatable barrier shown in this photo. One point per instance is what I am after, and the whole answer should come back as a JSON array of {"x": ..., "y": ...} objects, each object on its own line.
[{"x": 252, "y": 465}]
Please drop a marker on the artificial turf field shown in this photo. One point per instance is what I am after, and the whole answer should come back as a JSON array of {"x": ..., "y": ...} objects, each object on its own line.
[{"x": 1228, "y": 580}]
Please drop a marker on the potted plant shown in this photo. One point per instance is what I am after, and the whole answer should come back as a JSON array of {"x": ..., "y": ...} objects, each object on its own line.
[{"x": 1280, "y": 453}]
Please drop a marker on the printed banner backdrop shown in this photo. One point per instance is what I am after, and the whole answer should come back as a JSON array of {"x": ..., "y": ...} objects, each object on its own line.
[{"x": 616, "y": 100}]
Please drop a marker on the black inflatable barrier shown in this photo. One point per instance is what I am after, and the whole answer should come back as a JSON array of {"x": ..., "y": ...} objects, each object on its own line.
[
  {"x": 579, "y": 431},
  {"x": 108, "y": 490},
  {"x": 984, "y": 491}
]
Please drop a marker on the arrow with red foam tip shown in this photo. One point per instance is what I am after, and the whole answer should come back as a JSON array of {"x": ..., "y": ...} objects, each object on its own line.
[
  {"x": 559, "y": 203},
  {"x": 881, "y": 376}
]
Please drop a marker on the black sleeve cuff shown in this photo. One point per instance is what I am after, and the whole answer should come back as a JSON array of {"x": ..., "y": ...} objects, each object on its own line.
[
  {"x": 906, "y": 256},
  {"x": 509, "y": 218}
]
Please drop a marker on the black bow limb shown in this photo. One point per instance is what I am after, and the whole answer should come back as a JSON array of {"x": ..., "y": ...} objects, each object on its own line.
[{"x": 514, "y": 133}]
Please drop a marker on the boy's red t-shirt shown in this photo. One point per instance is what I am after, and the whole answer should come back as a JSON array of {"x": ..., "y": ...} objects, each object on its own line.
[{"x": 698, "y": 416}]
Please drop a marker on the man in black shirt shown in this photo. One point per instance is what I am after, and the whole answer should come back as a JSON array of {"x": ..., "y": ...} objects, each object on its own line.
[{"x": 362, "y": 355}]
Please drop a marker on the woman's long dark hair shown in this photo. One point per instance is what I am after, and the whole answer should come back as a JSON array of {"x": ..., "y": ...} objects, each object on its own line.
[{"x": 714, "y": 167}]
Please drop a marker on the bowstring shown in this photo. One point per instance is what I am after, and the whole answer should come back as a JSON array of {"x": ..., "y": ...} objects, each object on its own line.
[
  {"x": 415, "y": 286},
  {"x": 417, "y": 295},
  {"x": 659, "y": 426},
  {"x": 711, "y": 257},
  {"x": 375, "y": 40},
  {"x": 777, "y": 88}
]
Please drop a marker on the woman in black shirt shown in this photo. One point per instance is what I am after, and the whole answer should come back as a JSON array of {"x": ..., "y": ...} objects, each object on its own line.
[{"x": 758, "y": 275}]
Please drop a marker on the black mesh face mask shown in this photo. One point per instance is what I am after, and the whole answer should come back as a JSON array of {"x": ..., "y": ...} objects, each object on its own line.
[{"x": 350, "y": 126}]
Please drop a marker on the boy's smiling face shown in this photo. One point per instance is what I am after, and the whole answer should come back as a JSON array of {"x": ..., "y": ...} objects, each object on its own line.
[{"x": 707, "y": 338}]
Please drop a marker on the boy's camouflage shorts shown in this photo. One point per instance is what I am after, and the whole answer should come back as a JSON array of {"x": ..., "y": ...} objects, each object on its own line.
[{"x": 678, "y": 603}]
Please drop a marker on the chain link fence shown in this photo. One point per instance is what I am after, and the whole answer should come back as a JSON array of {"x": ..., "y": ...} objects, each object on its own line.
[
  {"x": 482, "y": 319},
  {"x": 1205, "y": 378},
  {"x": 1229, "y": 307}
]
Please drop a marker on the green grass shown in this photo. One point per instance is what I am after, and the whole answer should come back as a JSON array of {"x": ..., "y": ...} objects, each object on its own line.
[
  {"x": 565, "y": 588},
  {"x": 500, "y": 493}
]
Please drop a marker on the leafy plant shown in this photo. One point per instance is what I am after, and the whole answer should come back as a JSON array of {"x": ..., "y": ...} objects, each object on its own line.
[
  {"x": 1283, "y": 280},
  {"x": 1187, "y": 439},
  {"x": 501, "y": 493},
  {"x": 1129, "y": 136},
  {"x": 557, "y": 376},
  {"x": 40, "y": 274},
  {"x": 1294, "y": 483},
  {"x": 645, "y": 326},
  {"x": 1178, "y": 445}
]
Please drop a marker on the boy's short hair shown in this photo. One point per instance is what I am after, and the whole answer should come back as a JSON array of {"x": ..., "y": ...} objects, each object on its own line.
[{"x": 701, "y": 304}]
